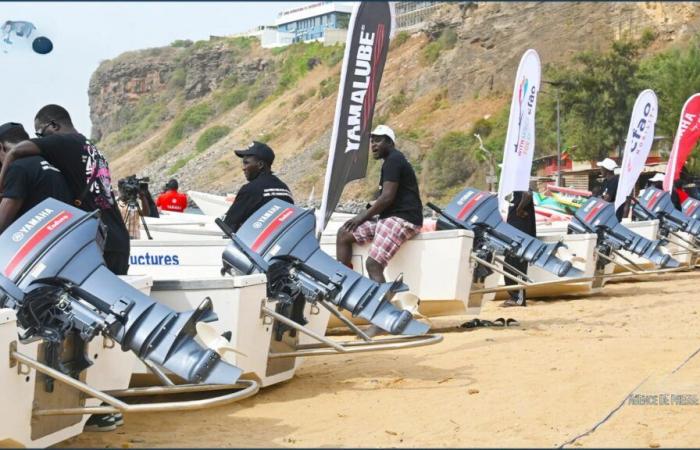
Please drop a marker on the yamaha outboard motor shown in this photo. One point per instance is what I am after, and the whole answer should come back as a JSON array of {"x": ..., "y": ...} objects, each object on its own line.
[
  {"x": 654, "y": 203},
  {"x": 478, "y": 211},
  {"x": 691, "y": 208},
  {"x": 54, "y": 276},
  {"x": 598, "y": 216},
  {"x": 279, "y": 240}
]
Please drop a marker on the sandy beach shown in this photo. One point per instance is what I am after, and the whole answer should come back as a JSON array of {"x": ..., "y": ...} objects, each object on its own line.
[{"x": 569, "y": 364}]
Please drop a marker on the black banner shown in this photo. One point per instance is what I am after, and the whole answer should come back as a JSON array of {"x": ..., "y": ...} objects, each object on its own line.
[{"x": 365, "y": 54}]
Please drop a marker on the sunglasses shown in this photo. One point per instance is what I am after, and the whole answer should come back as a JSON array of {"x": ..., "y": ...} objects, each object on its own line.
[{"x": 41, "y": 133}]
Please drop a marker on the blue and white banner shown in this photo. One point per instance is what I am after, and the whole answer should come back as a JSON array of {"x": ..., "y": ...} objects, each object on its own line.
[{"x": 520, "y": 140}]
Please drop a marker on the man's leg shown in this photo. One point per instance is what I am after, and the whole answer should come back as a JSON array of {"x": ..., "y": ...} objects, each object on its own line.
[
  {"x": 375, "y": 270},
  {"x": 517, "y": 297}
]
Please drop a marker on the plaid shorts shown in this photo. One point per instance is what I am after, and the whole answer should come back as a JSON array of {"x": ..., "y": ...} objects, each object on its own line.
[{"x": 386, "y": 236}]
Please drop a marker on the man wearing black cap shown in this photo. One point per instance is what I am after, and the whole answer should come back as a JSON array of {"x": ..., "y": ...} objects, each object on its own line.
[
  {"x": 29, "y": 181},
  {"x": 262, "y": 185}
]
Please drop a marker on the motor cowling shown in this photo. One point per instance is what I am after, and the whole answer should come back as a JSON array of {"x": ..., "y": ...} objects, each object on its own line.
[
  {"x": 54, "y": 253},
  {"x": 477, "y": 211},
  {"x": 598, "y": 216},
  {"x": 280, "y": 231}
]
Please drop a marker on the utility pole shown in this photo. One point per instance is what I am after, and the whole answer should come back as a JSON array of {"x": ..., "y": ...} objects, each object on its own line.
[{"x": 491, "y": 178}]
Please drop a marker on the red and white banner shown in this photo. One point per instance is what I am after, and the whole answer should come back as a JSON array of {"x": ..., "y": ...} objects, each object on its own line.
[
  {"x": 638, "y": 144},
  {"x": 520, "y": 140},
  {"x": 686, "y": 137}
]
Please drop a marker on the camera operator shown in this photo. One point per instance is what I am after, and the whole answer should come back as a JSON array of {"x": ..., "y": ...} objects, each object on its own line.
[{"x": 133, "y": 203}]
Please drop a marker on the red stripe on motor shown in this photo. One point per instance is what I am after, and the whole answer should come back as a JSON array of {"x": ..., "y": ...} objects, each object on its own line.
[
  {"x": 654, "y": 198},
  {"x": 593, "y": 211},
  {"x": 284, "y": 215},
  {"x": 61, "y": 218},
  {"x": 470, "y": 204}
]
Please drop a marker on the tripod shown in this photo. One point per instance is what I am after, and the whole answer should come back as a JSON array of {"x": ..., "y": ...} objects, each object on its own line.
[{"x": 132, "y": 207}]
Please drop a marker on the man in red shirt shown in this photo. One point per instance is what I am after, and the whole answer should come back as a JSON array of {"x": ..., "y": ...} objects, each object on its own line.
[{"x": 171, "y": 199}]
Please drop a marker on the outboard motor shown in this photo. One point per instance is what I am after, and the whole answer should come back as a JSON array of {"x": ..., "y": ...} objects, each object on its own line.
[
  {"x": 691, "y": 208},
  {"x": 478, "y": 211},
  {"x": 54, "y": 276},
  {"x": 598, "y": 216},
  {"x": 654, "y": 203},
  {"x": 279, "y": 240}
]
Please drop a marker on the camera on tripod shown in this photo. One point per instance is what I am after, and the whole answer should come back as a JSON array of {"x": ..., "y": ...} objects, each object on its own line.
[{"x": 131, "y": 186}]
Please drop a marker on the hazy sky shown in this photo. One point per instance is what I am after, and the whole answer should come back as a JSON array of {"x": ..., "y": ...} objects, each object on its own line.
[{"x": 85, "y": 33}]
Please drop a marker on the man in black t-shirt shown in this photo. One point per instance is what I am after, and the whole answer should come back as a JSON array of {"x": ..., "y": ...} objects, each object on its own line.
[
  {"x": 610, "y": 182},
  {"x": 262, "y": 185},
  {"x": 398, "y": 209},
  {"x": 29, "y": 181},
  {"x": 86, "y": 172}
]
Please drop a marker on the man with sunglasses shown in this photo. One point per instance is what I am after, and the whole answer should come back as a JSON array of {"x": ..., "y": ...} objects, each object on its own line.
[
  {"x": 395, "y": 217},
  {"x": 29, "y": 180},
  {"x": 86, "y": 172}
]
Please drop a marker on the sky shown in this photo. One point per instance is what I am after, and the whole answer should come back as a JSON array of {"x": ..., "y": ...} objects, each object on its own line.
[{"x": 86, "y": 33}]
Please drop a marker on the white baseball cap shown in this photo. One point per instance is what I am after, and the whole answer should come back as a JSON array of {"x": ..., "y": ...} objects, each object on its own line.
[
  {"x": 657, "y": 177},
  {"x": 607, "y": 163},
  {"x": 383, "y": 130}
]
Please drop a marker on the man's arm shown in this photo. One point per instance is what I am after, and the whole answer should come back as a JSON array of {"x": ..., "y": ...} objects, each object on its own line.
[
  {"x": 9, "y": 207},
  {"x": 389, "y": 189},
  {"x": 21, "y": 150}
]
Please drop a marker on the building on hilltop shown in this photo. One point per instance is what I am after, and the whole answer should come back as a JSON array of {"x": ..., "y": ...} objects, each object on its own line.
[
  {"x": 269, "y": 35},
  {"x": 325, "y": 22}
]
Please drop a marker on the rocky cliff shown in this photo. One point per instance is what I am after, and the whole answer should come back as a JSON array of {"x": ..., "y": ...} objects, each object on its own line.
[{"x": 181, "y": 110}]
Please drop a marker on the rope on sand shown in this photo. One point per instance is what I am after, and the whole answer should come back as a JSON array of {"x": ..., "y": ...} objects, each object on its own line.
[
  {"x": 605, "y": 419},
  {"x": 622, "y": 403},
  {"x": 686, "y": 361}
]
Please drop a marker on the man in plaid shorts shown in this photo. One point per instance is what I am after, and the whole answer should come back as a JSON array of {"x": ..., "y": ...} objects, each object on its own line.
[{"x": 395, "y": 216}]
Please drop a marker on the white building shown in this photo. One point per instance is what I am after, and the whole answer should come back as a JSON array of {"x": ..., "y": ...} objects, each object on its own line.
[{"x": 321, "y": 21}]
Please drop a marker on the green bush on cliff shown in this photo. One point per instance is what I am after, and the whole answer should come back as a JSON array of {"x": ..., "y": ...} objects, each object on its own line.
[
  {"x": 138, "y": 120},
  {"x": 210, "y": 137},
  {"x": 185, "y": 123},
  {"x": 446, "y": 41},
  {"x": 301, "y": 57}
]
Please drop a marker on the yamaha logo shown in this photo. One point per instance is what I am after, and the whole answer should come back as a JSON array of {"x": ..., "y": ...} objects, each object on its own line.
[
  {"x": 266, "y": 215},
  {"x": 17, "y": 236}
]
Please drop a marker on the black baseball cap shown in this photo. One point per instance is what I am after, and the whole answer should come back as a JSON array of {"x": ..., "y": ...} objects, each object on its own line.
[
  {"x": 5, "y": 127},
  {"x": 259, "y": 150}
]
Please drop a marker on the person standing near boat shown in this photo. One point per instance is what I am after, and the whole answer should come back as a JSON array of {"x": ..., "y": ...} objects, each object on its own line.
[
  {"x": 610, "y": 182},
  {"x": 521, "y": 215},
  {"x": 395, "y": 217},
  {"x": 262, "y": 185},
  {"x": 171, "y": 199}
]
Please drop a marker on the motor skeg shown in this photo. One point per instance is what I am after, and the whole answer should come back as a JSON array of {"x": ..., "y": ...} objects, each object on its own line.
[
  {"x": 280, "y": 231},
  {"x": 55, "y": 244},
  {"x": 477, "y": 211},
  {"x": 654, "y": 203},
  {"x": 598, "y": 216}
]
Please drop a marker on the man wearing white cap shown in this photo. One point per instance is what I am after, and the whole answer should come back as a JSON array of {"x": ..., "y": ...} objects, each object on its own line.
[
  {"x": 611, "y": 180},
  {"x": 396, "y": 215}
]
